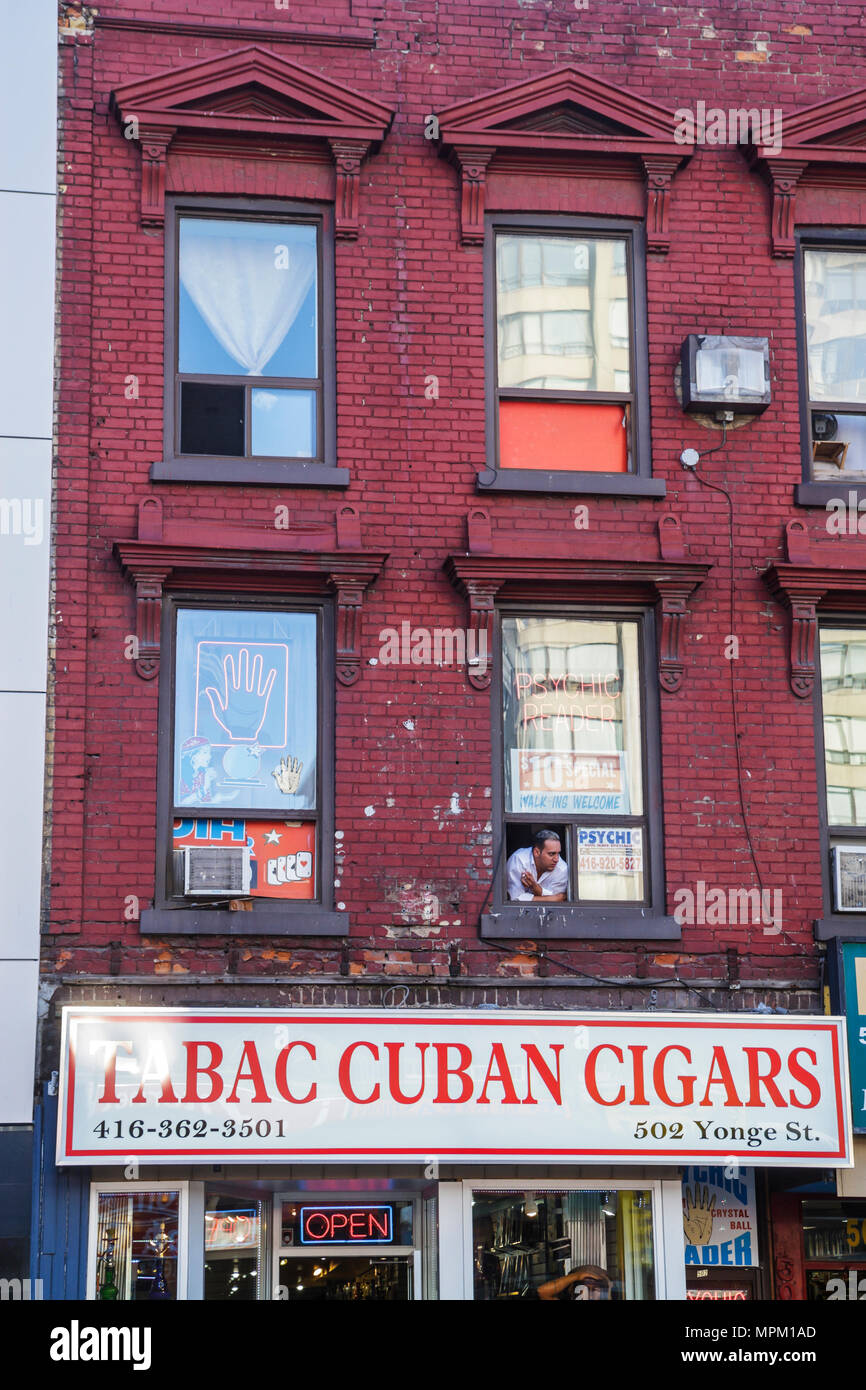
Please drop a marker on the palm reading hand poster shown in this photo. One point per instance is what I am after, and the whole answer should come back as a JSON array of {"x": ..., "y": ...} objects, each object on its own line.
[
  {"x": 245, "y": 713},
  {"x": 720, "y": 1216}
]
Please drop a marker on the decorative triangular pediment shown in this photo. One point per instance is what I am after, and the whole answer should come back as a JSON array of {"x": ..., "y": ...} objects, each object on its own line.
[
  {"x": 565, "y": 112},
  {"x": 254, "y": 93},
  {"x": 615, "y": 114},
  {"x": 251, "y": 100},
  {"x": 830, "y": 133},
  {"x": 565, "y": 119},
  {"x": 306, "y": 103},
  {"x": 826, "y": 130}
]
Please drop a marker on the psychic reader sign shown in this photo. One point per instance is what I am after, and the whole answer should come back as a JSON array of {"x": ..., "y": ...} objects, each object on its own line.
[
  {"x": 720, "y": 1216},
  {"x": 551, "y": 780}
]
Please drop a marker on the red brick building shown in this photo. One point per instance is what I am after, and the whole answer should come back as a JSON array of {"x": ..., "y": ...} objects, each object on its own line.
[{"x": 375, "y": 556}]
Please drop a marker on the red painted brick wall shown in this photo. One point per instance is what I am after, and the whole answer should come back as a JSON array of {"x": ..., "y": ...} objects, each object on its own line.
[{"x": 409, "y": 304}]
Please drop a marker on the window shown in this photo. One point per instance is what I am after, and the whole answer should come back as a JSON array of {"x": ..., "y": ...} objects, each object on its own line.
[
  {"x": 831, "y": 309},
  {"x": 567, "y": 388},
  {"x": 236, "y": 1223},
  {"x": 843, "y": 722},
  {"x": 577, "y": 732},
  {"x": 245, "y": 761},
  {"x": 834, "y": 1247},
  {"x": 249, "y": 320},
  {"x": 138, "y": 1242},
  {"x": 564, "y": 1245},
  {"x": 835, "y": 318},
  {"x": 342, "y": 1249}
]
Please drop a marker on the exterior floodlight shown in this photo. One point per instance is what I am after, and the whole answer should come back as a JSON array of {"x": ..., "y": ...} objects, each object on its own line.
[{"x": 731, "y": 374}]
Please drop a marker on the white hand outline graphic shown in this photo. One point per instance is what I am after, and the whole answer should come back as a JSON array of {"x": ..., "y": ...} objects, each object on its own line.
[{"x": 244, "y": 687}]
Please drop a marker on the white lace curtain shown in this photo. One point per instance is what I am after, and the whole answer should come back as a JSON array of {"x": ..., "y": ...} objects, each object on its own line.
[{"x": 245, "y": 296}]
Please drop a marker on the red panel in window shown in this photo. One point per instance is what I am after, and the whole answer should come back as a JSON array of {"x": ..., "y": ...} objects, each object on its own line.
[{"x": 563, "y": 435}]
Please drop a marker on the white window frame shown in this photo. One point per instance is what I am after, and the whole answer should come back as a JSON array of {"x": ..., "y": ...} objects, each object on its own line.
[
  {"x": 669, "y": 1268},
  {"x": 181, "y": 1188}
]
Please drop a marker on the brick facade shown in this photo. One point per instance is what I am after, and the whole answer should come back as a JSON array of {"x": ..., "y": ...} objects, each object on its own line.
[{"x": 413, "y": 744}]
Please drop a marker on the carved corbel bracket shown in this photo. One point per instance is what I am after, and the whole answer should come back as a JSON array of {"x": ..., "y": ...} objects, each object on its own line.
[
  {"x": 673, "y": 599},
  {"x": 802, "y": 597},
  {"x": 480, "y": 590},
  {"x": 479, "y": 646},
  {"x": 472, "y": 164},
  {"x": 154, "y": 148},
  {"x": 784, "y": 176},
  {"x": 347, "y": 161},
  {"x": 804, "y": 636},
  {"x": 149, "y": 581},
  {"x": 801, "y": 592},
  {"x": 350, "y": 600},
  {"x": 659, "y": 171}
]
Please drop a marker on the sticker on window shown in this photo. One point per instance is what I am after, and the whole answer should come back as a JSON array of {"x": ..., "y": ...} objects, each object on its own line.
[
  {"x": 610, "y": 850},
  {"x": 550, "y": 780}
]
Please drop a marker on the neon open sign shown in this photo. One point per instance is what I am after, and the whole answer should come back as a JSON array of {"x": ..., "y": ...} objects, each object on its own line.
[{"x": 346, "y": 1225}]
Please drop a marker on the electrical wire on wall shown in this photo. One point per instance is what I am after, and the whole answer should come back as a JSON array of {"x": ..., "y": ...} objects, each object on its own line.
[{"x": 690, "y": 458}]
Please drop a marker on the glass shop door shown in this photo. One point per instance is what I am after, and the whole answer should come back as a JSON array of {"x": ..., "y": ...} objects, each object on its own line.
[{"x": 346, "y": 1251}]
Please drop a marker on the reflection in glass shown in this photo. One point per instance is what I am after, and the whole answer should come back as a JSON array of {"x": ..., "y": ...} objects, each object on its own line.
[
  {"x": 346, "y": 1279},
  {"x": 562, "y": 312},
  {"x": 836, "y": 324},
  {"x": 833, "y": 1285},
  {"x": 835, "y": 1231},
  {"x": 283, "y": 424},
  {"x": 563, "y": 1246},
  {"x": 843, "y": 689},
  {"x": 234, "y": 1248},
  {"x": 136, "y": 1246},
  {"x": 571, "y": 708}
]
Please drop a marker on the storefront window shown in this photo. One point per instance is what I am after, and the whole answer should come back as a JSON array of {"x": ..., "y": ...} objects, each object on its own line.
[
  {"x": 834, "y": 1246},
  {"x": 346, "y": 1251},
  {"x": 137, "y": 1246},
  {"x": 346, "y": 1279},
  {"x": 311, "y": 1225},
  {"x": 563, "y": 1246},
  {"x": 234, "y": 1244},
  {"x": 835, "y": 1230}
]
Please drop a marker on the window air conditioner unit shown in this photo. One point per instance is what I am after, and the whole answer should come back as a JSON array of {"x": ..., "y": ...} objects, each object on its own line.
[
  {"x": 849, "y": 877},
  {"x": 216, "y": 873}
]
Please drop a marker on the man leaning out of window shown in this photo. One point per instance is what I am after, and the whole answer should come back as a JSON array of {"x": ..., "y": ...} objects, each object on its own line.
[{"x": 538, "y": 871}]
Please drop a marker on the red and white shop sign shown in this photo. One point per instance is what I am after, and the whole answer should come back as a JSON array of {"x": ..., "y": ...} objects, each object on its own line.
[{"x": 310, "y": 1085}]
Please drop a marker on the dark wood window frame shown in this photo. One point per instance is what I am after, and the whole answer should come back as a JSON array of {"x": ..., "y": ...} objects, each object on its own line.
[
  {"x": 833, "y": 924},
  {"x": 568, "y": 920},
  {"x": 637, "y": 483},
  {"x": 200, "y": 468},
  {"x": 811, "y": 492},
  {"x": 172, "y": 916}
]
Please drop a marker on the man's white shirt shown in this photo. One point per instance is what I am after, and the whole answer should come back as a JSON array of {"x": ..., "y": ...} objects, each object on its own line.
[{"x": 552, "y": 882}]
